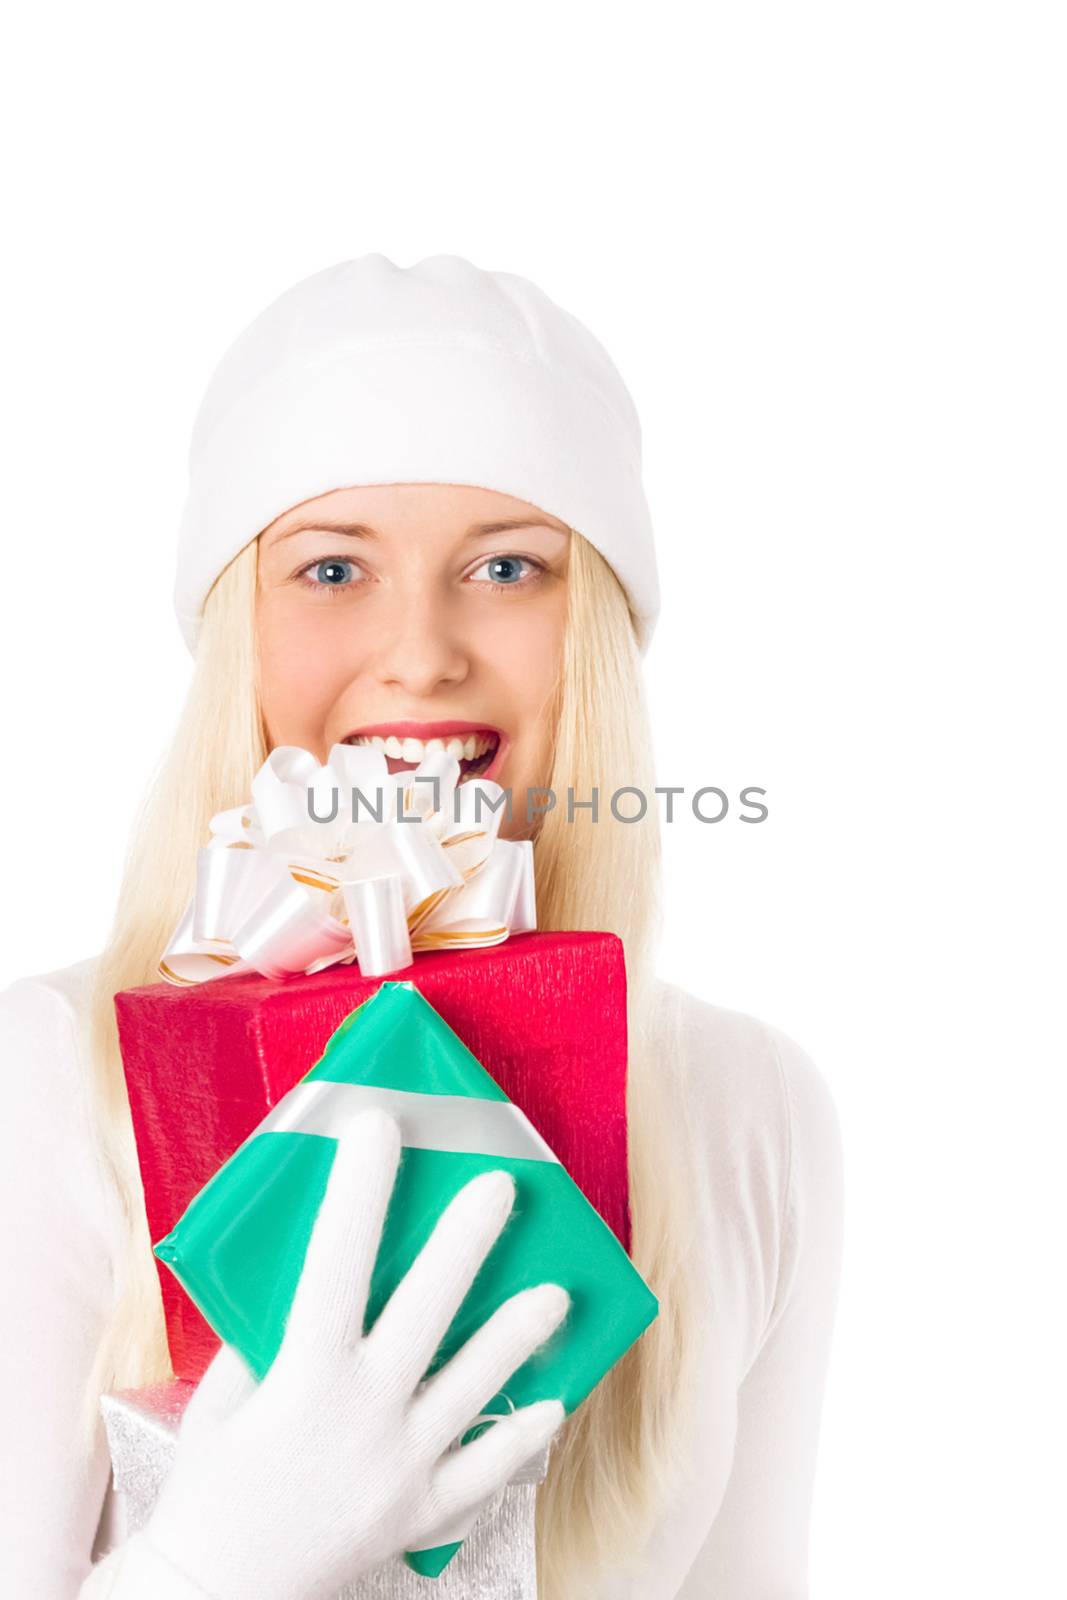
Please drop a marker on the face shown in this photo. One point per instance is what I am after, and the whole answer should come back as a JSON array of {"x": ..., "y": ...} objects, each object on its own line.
[{"x": 406, "y": 614}]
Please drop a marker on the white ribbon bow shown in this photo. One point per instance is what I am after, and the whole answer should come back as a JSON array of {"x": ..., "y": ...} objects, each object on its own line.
[{"x": 293, "y": 883}]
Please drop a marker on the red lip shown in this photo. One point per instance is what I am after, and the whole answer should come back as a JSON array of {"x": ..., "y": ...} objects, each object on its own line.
[{"x": 436, "y": 730}]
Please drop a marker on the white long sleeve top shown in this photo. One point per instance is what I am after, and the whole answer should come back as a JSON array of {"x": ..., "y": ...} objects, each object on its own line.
[{"x": 765, "y": 1151}]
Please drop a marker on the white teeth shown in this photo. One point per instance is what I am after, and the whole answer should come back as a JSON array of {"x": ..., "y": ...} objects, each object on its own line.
[{"x": 415, "y": 750}]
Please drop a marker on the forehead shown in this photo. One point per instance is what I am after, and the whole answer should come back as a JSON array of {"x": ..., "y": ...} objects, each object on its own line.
[{"x": 399, "y": 505}]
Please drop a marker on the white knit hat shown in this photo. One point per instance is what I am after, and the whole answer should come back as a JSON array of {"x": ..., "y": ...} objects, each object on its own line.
[{"x": 370, "y": 373}]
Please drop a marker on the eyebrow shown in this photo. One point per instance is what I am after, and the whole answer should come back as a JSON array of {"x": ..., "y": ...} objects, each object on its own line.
[{"x": 361, "y": 530}]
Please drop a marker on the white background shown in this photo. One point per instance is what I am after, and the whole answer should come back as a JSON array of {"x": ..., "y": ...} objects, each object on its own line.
[{"x": 825, "y": 245}]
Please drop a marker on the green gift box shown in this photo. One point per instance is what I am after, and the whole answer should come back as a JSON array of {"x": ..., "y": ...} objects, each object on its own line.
[{"x": 239, "y": 1247}]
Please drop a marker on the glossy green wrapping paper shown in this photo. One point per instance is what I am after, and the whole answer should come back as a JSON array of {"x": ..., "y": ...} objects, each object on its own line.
[{"x": 239, "y": 1247}]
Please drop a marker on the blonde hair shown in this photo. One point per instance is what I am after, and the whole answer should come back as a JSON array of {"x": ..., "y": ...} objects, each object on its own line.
[{"x": 614, "y": 1463}]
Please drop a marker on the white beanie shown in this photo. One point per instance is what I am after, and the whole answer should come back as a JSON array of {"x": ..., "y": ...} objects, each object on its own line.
[{"x": 370, "y": 373}]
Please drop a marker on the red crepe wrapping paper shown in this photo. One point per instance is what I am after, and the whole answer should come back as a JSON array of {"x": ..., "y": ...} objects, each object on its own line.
[{"x": 545, "y": 1014}]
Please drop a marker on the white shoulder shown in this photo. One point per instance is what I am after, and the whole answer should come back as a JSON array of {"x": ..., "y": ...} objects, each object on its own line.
[
  {"x": 736, "y": 1064},
  {"x": 71, "y": 986},
  {"x": 44, "y": 1023},
  {"x": 47, "y": 1086},
  {"x": 40, "y": 1002},
  {"x": 728, "y": 1057}
]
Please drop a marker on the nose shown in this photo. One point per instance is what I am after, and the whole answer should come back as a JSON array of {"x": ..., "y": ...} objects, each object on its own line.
[{"x": 420, "y": 649}]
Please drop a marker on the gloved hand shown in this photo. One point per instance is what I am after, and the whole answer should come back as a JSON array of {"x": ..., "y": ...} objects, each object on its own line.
[{"x": 290, "y": 1488}]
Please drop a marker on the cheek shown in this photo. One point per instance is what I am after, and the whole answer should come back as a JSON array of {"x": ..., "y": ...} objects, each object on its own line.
[
  {"x": 299, "y": 680},
  {"x": 524, "y": 659}
]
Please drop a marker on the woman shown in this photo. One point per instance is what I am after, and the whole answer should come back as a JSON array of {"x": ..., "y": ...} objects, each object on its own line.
[{"x": 415, "y": 498}]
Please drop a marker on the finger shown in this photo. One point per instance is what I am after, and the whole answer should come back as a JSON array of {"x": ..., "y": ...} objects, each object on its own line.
[
  {"x": 331, "y": 1297},
  {"x": 456, "y": 1394},
  {"x": 417, "y": 1315},
  {"x": 227, "y": 1381},
  {"x": 467, "y": 1477}
]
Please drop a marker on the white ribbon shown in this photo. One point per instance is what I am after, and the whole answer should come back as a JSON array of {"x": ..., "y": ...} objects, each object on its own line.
[
  {"x": 457, "y": 1123},
  {"x": 346, "y": 862}
]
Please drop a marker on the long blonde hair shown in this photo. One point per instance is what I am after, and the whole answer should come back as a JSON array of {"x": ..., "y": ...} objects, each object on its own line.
[{"x": 613, "y": 1465}]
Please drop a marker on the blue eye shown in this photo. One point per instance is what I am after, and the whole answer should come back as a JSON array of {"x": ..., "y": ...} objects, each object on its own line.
[
  {"x": 332, "y": 573},
  {"x": 507, "y": 570}
]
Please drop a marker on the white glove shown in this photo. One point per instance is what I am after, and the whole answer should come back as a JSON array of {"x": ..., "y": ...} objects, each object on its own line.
[{"x": 291, "y": 1488}]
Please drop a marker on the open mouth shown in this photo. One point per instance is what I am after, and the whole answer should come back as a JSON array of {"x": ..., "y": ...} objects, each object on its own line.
[{"x": 475, "y": 747}]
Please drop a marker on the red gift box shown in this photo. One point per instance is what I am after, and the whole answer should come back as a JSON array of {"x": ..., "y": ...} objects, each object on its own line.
[{"x": 545, "y": 1014}]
